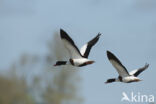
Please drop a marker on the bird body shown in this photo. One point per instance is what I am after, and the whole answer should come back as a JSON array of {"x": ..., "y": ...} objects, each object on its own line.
[
  {"x": 124, "y": 75},
  {"x": 129, "y": 79},
  {"x": 82, "y": 62},
  {"x": 78, "y": 57}
]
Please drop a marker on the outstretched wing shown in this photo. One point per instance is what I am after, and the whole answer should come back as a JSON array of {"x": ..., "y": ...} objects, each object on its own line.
[
  {"x": 138, "y": 71},
  {"x": 70, "y": 45},
  {"x": 117, "y": 64},
  {"x": 85, "y": 50}
]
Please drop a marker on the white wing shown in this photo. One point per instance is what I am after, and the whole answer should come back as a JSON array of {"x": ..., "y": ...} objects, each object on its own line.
[
  {"x": 138, "y": 71},
  {"x": 122, "y": 71},
  {"x": 132, "y": 72},
  {"x": 70, "y": 45},
  {"x": 85, "y": 50}
]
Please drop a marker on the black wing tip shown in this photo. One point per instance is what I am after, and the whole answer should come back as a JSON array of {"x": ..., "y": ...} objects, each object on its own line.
[
  {"x": 108, "y": 52},
  {"x": 63, "y": 34},
  {"x": 62, "y": 31},
  {"x": 146, "y": 65},
  {"x": 110, "y": 55},
  {"x": 98, "y": 35}
]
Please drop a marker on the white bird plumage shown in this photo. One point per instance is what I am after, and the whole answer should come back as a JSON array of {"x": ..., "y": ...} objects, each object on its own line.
[
  {"x": 77, "y": 57},
  {"x": 124, "y": 75}
]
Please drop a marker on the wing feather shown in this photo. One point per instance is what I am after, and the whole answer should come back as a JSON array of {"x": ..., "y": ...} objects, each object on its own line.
[
  {"x": 122, "y": 71},
  {"x": 85, "y": 50},
  {"x": 138, "y": 71},
  {"x": 70, "y": 45}
]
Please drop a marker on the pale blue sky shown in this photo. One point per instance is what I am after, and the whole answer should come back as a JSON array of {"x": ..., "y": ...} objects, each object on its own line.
[{"x": 128, "y": 28}]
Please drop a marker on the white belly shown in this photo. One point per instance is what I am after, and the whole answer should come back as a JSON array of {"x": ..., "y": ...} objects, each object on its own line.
[
  {"x": 129, "y": 79},
  {"x": 78, "y": 62}
]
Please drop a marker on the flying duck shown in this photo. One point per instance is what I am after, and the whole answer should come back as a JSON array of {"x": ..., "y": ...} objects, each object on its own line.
[
  {"x": 78, "y": 57},
  {"x": 124, "y": 75}
]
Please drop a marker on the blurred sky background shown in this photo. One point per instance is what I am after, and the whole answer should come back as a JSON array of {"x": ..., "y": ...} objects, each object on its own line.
[{"x": 128, "y": 30}]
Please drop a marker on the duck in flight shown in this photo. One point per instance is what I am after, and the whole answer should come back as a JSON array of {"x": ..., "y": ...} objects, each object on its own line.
[
  {"x": 124, "y": 75},
  {"x": 78, "y": 57}
]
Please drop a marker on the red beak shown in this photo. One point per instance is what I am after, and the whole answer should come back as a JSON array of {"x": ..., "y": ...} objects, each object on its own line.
[
  {"x": 54, "y": 65},
  {"x": 106, "y": 82},
  {"x": 90, "y": 62}
]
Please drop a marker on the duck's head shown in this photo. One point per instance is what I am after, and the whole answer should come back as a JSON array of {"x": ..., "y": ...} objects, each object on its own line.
[
  {"x": 58, "y": 63},
  {"x": 110, "y": 80}
]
